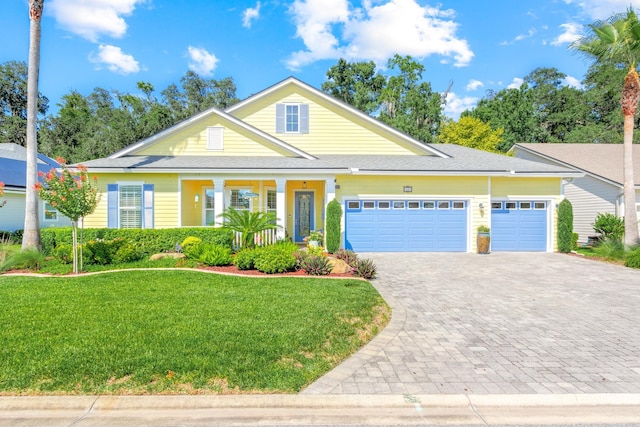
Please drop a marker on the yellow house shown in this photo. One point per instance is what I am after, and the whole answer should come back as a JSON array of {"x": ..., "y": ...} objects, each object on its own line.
[{"x": 291, "y": 149}]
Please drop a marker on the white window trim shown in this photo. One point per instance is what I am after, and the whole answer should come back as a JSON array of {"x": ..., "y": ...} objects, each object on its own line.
[
  {"x": 203, "y": 197},
  {"x": 286, "y": 115},
  {"x": 215, "y": 138},
  {"x": 131, "y": 183},
  {"x": 227, "y": 195}
]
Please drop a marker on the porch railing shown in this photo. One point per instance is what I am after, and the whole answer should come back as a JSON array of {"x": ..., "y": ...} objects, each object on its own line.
[{"x": 263, "y": 238}]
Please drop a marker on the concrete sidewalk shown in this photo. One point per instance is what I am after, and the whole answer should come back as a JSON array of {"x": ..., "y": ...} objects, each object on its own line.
[{"x": 287, "y": 410}]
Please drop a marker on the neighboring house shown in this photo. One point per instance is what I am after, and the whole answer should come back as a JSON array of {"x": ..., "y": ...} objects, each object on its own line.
[
  {"x": 291, "y": 149},
  {"x": 600, "y": 190},
  {"x": 13, "y": 172}
]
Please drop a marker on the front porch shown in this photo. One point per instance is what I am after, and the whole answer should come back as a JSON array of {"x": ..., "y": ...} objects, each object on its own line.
[{"x": 299, "y": 204}]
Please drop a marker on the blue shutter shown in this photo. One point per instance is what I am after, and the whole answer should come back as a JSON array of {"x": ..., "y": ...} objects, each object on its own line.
[
  {"x": 304, "y": 118},
  {"x": 280, "y": 119},
  {"x": 147, "y": 205},
  {"x": 112, "y": 205}
]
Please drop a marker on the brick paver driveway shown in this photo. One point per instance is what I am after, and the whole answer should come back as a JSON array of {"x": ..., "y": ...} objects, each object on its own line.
[{"x": 499, "y": 323}]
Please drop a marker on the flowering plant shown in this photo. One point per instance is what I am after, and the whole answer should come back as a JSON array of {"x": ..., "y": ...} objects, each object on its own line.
[
  {"x": 315, "y": 235},
  {"x": 71, "y": 193}
]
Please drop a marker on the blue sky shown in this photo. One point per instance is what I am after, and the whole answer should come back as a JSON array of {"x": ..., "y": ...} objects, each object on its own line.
[{"x": 477, "y": 45}]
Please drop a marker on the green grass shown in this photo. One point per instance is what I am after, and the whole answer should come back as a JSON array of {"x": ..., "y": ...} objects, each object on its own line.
[{"x": 142, "y": 332}]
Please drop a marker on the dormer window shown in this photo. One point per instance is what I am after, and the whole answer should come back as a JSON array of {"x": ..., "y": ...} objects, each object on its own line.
[{"x": 292, "y": 118}]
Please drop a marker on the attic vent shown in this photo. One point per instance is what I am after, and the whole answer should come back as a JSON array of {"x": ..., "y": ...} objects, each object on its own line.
[{"x": 215, "y": 138}]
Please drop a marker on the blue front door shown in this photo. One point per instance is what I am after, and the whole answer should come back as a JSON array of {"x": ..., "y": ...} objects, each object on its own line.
[{"x": 303, "y": 215}]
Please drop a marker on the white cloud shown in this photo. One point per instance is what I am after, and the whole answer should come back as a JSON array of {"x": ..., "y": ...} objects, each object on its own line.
[
  {"x": 474, "y": 84},
  {"x": 201, "y": 61},
  {"x": 375, "y": 31},
  {"x": 571, "y": 33},
  {"x": 602, "y": 9},
  {"x": 516, "y": 83},
  {"x": 92, "y": 18},
  {"x": 572, "y": 82},
  {"x": 250, "y": 14},
  {"x": 456, "y": 105},
  {"x": 520, "y": 37},
  {"x": 114, "y": 59}
]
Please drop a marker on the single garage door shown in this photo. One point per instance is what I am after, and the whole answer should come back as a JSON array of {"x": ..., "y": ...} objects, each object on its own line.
[
  {"x": 518, "y": 226},
  {"x": 406, "y": 225}
]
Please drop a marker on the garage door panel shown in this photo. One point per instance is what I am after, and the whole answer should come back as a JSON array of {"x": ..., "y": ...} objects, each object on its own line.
[{"x": 519, "y": 229}]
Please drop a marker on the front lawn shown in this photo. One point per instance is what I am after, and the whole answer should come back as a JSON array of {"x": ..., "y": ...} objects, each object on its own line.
[{"x": 142, "y": 332}]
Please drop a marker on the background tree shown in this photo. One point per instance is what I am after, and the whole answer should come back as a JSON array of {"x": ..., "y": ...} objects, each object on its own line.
[
  {"x": 356, "y": 83},
  {"x": 473, "y": 133},
  {"x": 72, "y": 194},
  {"x": 618, "y": 40},
  {"x": 31, "y": 236},
  {"x": 13, "y": 102}
]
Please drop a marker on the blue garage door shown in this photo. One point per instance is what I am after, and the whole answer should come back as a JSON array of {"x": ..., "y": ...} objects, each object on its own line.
[
  {"x": 519, "y": 226},
  {"x": 406, "y": 225}
]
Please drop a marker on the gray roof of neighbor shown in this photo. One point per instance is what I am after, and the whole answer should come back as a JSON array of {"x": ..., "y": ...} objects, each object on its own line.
[
  {"x": 13, "y": 165},
  {"x": 462, "y": 159},
  {"x": 603, "y": 160}
]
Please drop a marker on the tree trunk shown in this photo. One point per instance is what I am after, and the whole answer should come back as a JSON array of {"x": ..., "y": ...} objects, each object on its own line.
[
  {"x": 31, "y": 237},
  {"x": 630, "y": 213}
]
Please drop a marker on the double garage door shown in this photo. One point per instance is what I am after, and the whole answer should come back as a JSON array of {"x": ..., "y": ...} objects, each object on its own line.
[
  {"x": 441, "y": 225},
  {"x": 406, "y": 225}
]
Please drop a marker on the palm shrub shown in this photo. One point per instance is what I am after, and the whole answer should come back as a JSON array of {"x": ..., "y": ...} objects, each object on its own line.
[
  {"x": 608, "y": 225},
  {"x": 565, "y": 226},
  {"x": 248, "y": 224},
  {"x": 332, "y": 226}
]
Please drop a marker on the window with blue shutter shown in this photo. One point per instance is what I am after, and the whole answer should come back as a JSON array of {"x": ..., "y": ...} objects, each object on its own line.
[
  {"x": 148, "y": 205},
  {"x": 112, "y": 205},
  {"x": 292, "y": 118},
  {"x": 130, "y": 206}
]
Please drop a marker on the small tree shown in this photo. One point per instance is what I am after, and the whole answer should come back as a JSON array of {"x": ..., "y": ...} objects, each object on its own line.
[
  {"x": 2, "y": 202},
  {"x": 332, "y": 233},
  {"x": 72, "y": 194},
  {"x": 565, "y": 226}
]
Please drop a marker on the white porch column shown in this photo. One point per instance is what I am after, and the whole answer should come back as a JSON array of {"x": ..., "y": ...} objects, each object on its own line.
[
  {"x": 218, "y": 199},
  {"x": 329, "y": 191},
  {"x": 281, "y": 206}
]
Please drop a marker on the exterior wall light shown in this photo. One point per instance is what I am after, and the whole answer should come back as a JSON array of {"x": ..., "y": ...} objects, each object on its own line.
[
  {"x": 407, "y": 189},
  {"x": 197, "y": 198}
]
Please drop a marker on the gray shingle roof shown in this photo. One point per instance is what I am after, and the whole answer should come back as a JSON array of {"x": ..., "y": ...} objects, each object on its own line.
[
  {"x": 463, "y": 160},
  {"x": 604, "y": 160},
  {"x": 13, "y": 165}
]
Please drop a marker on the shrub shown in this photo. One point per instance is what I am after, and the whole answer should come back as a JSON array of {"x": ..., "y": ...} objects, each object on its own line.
[
  {"x": 611, "y": 249},
  {"x": 30, "y": 259},
  {"x": 365, "y": 268},
  {"x": 245, "y": 258},
  {"x": 574, "y": 241},
  {"x": 609, "y": 226},
  {"x": 192, "y": 247},
  {"x": 127, "y": 252},
  {"x": 148, "y": 241},
  {"x": 275, "y": 259},
  {"x": 101, "y": 251},
  {"x": 215, "y": 255},
  {"x": 633, "y": 258},
  {"x": 316, "y": 265},
  {"x": 347, "y": 256},
  {"x": 316, "y": 251},
  {"x": 565, "y": 226},
  {"x": 63, "y": 253},
  {"x": 332, "y": 225},
  {"x": 299, "y": 257}
]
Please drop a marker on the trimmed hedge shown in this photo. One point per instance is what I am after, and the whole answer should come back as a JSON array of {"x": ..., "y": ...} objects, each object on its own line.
[
  {"x": 332, "y": 226},
  {"x": 148, "y": 241},
  {"x": 565, "y": 226}
]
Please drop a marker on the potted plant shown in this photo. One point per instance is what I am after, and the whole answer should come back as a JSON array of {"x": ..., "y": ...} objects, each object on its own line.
[
  {"x": 315, "y": 238},
  {"x": 483, "y": 240}
]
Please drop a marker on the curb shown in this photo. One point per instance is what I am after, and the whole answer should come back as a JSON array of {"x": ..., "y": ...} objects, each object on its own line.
[{"x": 318, "y": 410}]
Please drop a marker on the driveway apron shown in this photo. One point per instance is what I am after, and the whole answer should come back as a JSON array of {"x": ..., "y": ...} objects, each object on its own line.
[{"x": 514, "y": 323}]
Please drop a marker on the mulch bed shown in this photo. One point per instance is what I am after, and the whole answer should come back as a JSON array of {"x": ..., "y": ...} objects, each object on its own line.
[{"x": 232, "y": 269}]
